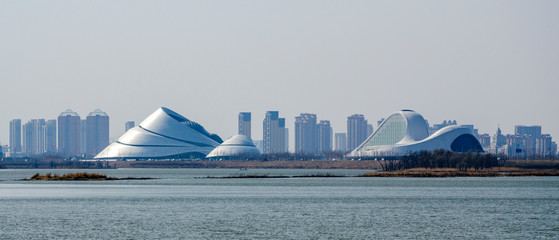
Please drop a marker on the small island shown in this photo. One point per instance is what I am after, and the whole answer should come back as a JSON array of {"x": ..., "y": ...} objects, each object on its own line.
[
  {"x": 316, "y": 175},
  {"x": 83, "y": 176}
]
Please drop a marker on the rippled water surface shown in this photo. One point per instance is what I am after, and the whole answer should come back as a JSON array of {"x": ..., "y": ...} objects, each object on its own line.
[{"x": 182, "y": 204}]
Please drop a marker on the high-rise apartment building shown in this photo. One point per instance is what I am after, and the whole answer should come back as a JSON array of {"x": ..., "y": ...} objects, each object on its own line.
[
  {"x": 340, "y": 142},
  {"x": 544, "y": 147},
  {"x": 128, "y": 125},
  {"x": 541, "y": 143},
  {"x": 324, "y": 136},
  {"x": 15, "y": 136},
  {"x": 519, "y": 146},
  {"x": 484, "y": 140},
  {"x": 274, "y": 133},
  {"x": 26, "y": 138},
  {"x": 69, "y": 133},
  {"x": 356, "y": 130},
  {"x": 379, "y": 122},
  {"x": 97, "y": 132},
  {"x": 244, "y": 123},
  {"x": 285, "y": 138},
  {"x": 83, "y": 135},
  {"x": 34, "y": 140},
  {"x": 50, "y": 136},
  {"x": 370, "y": 129},
  {"x": 527, "y": 142},
  {"x": 534, "y": 131},
  {"x": 306, "y": 138}
]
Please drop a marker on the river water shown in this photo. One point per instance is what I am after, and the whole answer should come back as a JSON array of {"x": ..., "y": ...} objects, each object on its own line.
[{"x": 182, "y": 204}]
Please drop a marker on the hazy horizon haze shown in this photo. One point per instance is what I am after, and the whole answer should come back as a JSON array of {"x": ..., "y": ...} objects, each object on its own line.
[{"x": 486, "y": 63}]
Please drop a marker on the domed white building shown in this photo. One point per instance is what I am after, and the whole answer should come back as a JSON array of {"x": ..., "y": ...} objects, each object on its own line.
[
  {"x": 238, "y": 146},
  {"x": 164, "y": 134},
  {"x": 406, "y": 132}
]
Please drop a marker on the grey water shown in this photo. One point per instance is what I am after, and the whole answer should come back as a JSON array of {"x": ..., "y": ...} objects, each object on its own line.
[{"x": 183, "y": 204}]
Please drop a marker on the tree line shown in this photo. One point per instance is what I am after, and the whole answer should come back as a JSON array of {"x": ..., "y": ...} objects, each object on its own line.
[{"x": 441, "y": 158}]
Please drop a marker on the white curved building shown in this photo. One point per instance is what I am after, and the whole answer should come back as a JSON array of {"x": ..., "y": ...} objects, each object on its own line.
[
  {"x": 239, "y": 146},
  {"x": 162, "y": 135},
  {"x": 406, "y": 131}
]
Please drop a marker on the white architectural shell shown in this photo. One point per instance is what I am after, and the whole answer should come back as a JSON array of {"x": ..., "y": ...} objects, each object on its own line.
[
  {"x": 163, "y": 134},
  {"x": 236, "y": 146},
  {"x": 406, "y": 131}
]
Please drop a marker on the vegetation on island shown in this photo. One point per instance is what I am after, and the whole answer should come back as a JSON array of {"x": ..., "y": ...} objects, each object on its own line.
[
  {"x": 316, "y": 175},
  {"x": 444, "y": 163},
  {"x": 82, "y": 176},
  {"x": 446, "y": 172},
  {"x": 441, "y": 158}
]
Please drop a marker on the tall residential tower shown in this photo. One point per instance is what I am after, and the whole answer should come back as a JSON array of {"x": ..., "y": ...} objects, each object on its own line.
[
  {"x": 244, "y": 124},
  {"x": 34, "y": 138},
  {"x": 306, "y": 138},
  {"x": 324, "y": 136},
  {"x": 97, "y": 132},
  {"x": 340, "y": 142},
  {"x": 69, "y": 133},
  {"x": 50, "y": 136},
  {"x": 15, "y": 136},
  {"x": 128, "y": 125},
  {"x": 274, "y": 133},
  {"x": 356, "y": 130}
]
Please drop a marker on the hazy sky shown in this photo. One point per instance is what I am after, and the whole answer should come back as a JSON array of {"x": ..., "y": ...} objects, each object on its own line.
[{"x": 486, "y": 63}]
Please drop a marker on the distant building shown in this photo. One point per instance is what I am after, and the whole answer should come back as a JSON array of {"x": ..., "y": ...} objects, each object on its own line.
[
  {"x": 324, "y": 136},
  {"x": 484, "y": 140},
  {"x": 498, "y": 140},
  {"x": 164, "y": 134},
  {"x": 356, "y": 130},
  {"x": 97, "y": 133},
  {"x": 83, "y": 135},
  {"x": 306, "y": 133},
  {"x": 34, "y": 137},
  {"x": 285, "y": 138},
  {"x": 15, "y": 136},
  {"x": 27, "y": 139},
  {"x": 471, "y": 126},
  {"x": 50, "y": 135},
  {"x": 544, "y": 147},
  {"x": 369, "y": 129},
  {"x": 340, "y": 142},
  {"x": 128, "y": 125},
  {"x": 274, "y": 133},
  {"x": 527, "y": 142},
  {"x": 437, "y": 127},
  {"x": 406, "y": 132},
  {"x": 382, "y": 120},
  {"x": 237, "y": 147},
  {"x": 69, "y": 133},
  {"x": 244, "y": 124},
  {"x": 534, "y": 131},
  {"x": 519, "y": 146}
]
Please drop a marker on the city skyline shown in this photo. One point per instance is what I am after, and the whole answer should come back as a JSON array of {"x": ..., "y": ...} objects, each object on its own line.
[
  {"x": 292, "y": 137},
  {"x": 468, "y": 61}
]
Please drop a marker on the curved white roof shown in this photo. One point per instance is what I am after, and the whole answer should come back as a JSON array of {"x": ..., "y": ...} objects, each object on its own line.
[
  {"x": 238, "y": 145},
  {"x": 162, "y": 134},
  {"x": 407, "y": 131}
]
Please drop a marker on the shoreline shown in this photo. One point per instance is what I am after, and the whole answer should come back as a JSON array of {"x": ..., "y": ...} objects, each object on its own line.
[
  {"x": 511, "y": 167},
  {"x": 444, "y": 174}
]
